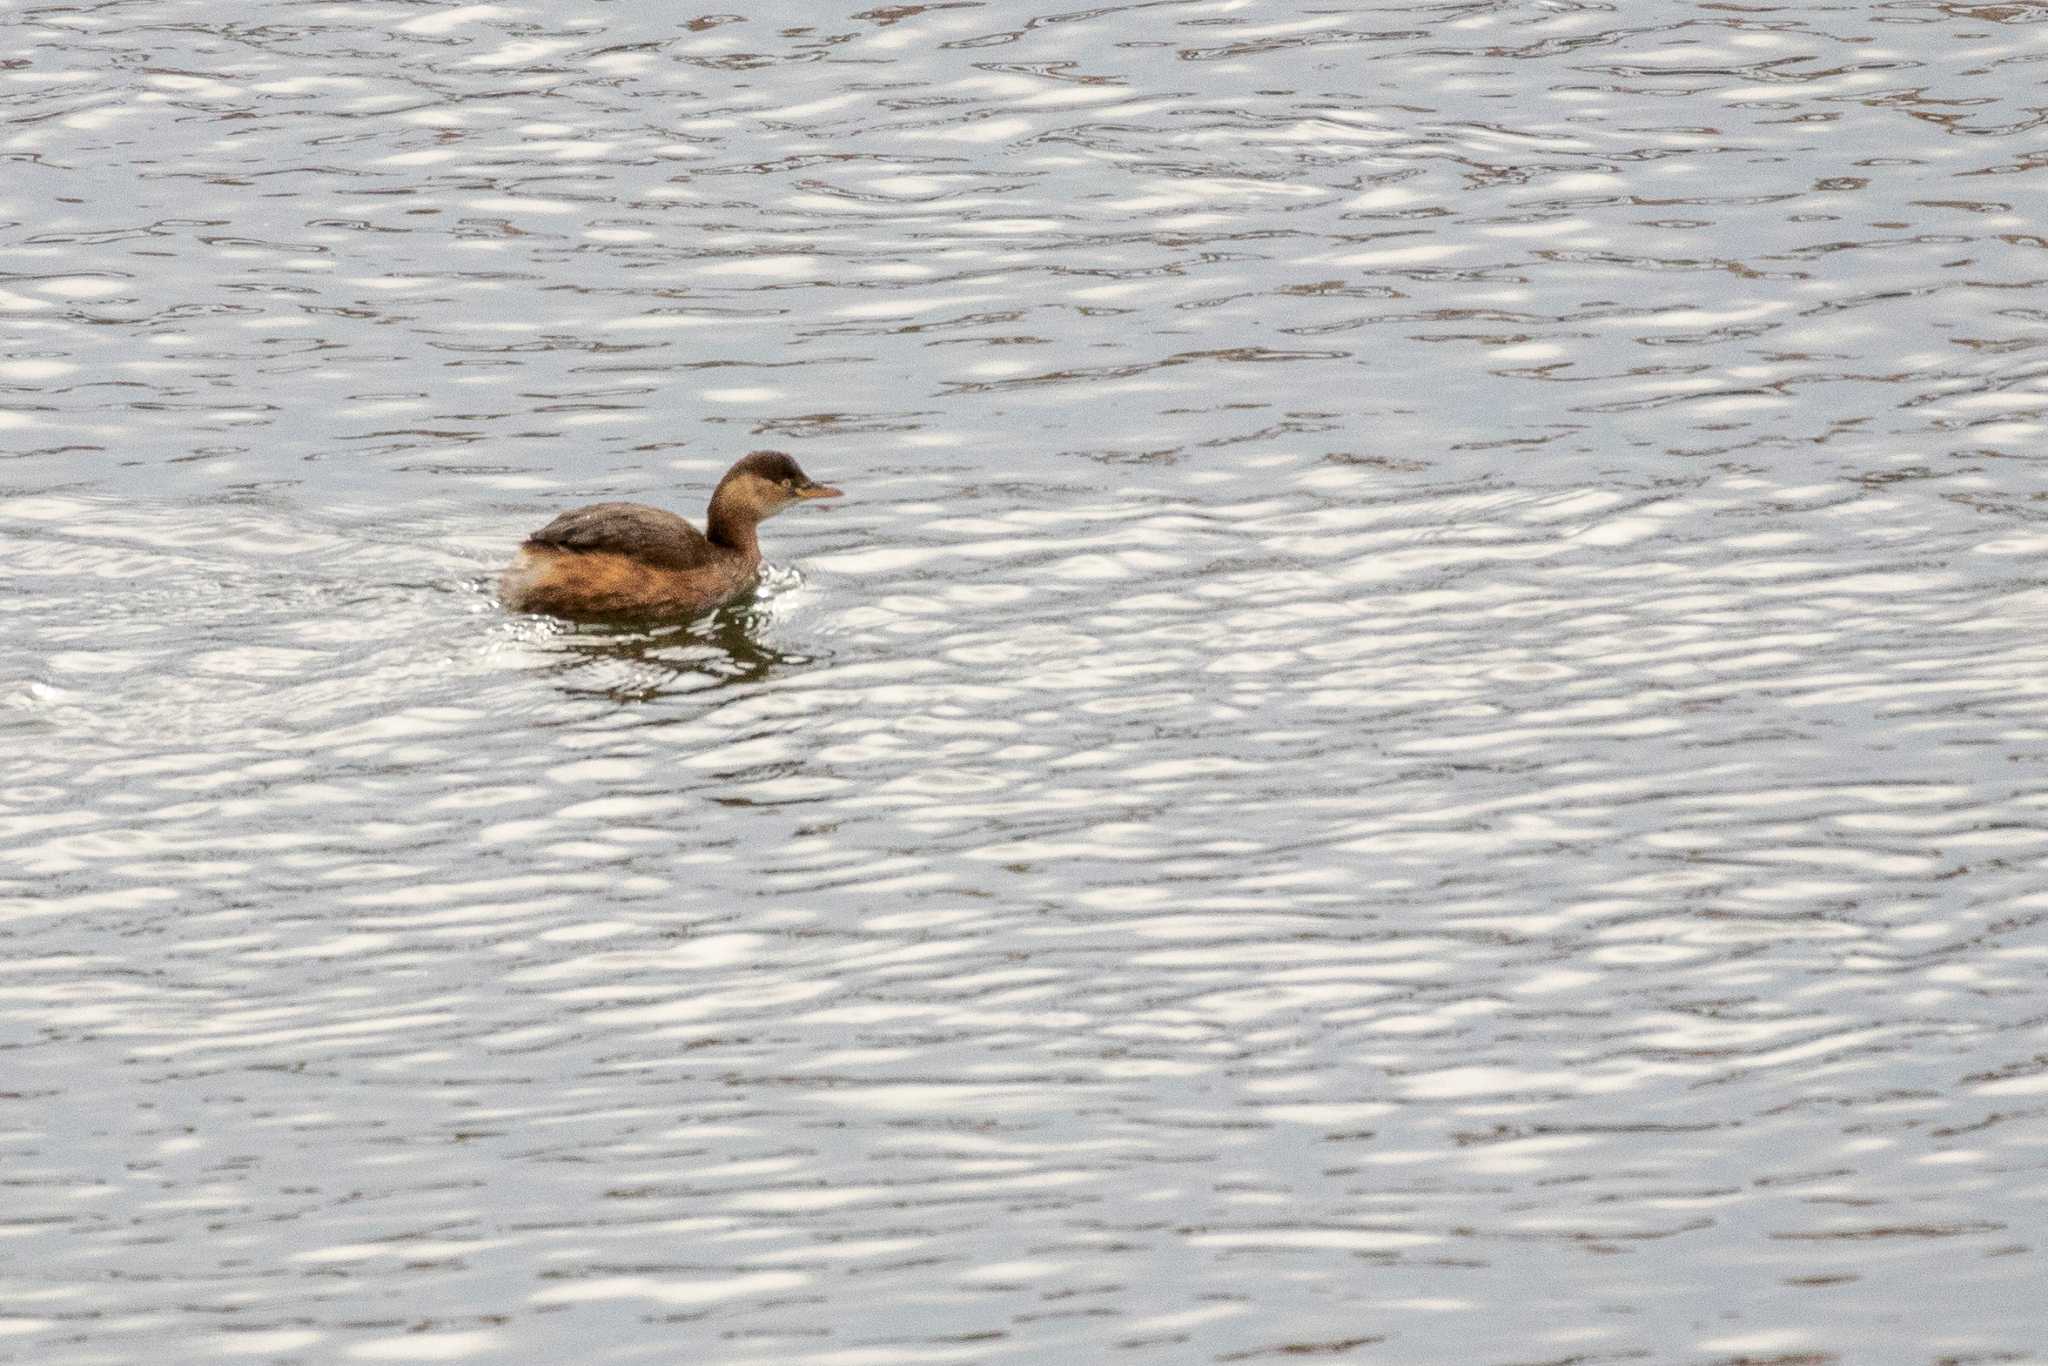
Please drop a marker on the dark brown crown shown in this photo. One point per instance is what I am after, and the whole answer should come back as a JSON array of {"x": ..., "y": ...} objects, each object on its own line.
[{"x": 773, "y": 466}]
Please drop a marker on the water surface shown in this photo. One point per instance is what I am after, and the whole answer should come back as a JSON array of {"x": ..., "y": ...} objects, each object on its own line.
[{"x": 1418, "y": 740}]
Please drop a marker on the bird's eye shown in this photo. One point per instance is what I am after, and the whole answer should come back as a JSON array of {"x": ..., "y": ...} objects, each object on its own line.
[{"x": 789, "y": 483}]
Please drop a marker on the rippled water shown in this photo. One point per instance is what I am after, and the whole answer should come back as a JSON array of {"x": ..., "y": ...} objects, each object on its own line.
[{"x": 1419, "y": 740}]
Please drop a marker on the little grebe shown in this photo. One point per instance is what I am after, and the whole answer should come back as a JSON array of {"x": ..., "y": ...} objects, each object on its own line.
[{"x": 628, "y": 559}]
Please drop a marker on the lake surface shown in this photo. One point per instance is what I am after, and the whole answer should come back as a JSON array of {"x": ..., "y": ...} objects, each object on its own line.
[{"x": 1420, "y": 739}]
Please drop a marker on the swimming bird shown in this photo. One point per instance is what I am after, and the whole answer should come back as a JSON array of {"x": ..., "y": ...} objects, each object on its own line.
[{"x": 629, "y": 559}]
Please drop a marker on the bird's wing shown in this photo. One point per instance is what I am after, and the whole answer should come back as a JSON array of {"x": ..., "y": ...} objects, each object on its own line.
[{"x": 643, "y": 533}]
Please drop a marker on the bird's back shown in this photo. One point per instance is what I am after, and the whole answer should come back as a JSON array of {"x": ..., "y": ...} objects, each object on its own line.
[{"x": 653, "y": 536}]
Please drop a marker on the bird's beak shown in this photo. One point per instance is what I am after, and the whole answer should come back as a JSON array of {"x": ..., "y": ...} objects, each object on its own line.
[{"x": 818, "y": 491}]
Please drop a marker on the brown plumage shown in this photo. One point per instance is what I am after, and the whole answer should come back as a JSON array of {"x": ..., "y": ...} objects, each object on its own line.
[{"x": 628, "y": 559}]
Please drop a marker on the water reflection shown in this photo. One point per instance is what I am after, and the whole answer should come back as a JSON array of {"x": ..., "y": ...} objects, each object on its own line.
[{"x": 640, "y": 662}]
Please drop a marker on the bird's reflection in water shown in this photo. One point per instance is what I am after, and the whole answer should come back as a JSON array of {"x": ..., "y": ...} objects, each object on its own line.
[{"x": 628, "y": 662}]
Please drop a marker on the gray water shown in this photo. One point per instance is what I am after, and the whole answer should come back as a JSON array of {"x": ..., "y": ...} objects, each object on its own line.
[{"x": 1419, "y": 740}]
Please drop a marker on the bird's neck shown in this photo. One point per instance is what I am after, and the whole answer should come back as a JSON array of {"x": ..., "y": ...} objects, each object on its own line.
[{"x": 730, "y": 523}]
